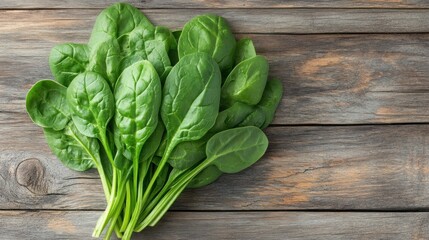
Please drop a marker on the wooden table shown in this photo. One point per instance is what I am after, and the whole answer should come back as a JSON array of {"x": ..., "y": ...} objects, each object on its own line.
[{"x": 348, "y": 156}]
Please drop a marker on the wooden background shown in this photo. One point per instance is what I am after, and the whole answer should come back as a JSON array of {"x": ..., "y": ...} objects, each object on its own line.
[{"x": 348, "y": 156}]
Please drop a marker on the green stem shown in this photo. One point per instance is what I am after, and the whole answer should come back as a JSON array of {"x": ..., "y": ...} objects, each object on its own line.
[
  {"x": 135, "y": 170},
  {"x": 163, "y": 205},
  {"x": 154, "y": 201},
  {"x": 128, "y": 207},
  {"x": 104, "y": 181},
  {"x": 139, "y": 203},
  {"x": 114, "y": 202},
  {"x": 114, "y": 218},
  {"x": 98, "y": 227},
  {"x": 97, "y": 162},
  {"x": 106, "y": 146},
  {"x": 158, "y": 171}
]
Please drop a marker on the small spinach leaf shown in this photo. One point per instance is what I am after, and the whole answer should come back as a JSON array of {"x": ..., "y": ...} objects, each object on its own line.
[
  {"x": 210, "y": 34},
  {"x": 73, "y": 149},
  {"x": 92, "y": 103},
  {"x": 104, "y": 60},
  {"x": 152, "y": 143},
  {"x": 186, "y": 154},
  {"x": 46, "y": 105},
  {"x": 236, "y": 149},
  {"x": 270, "y": 100},
  {"x": 207, "y": 176},
  {"x": 67, "y": 61},
  {"x": 245, "y": 50},
  {"x": 119, "y": 21},
  {"x": 245, "y": 83}
]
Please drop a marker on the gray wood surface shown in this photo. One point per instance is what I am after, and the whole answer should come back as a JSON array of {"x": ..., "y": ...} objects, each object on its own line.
[
  {"x": 221, "y": 4},
  {"x": 361, "y": 167},
  {"x": 296, "y": 21},
  {"x": 227, "y": 225}
]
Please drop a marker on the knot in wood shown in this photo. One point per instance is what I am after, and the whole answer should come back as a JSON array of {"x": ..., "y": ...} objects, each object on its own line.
[{"x": 30, "y": 174}]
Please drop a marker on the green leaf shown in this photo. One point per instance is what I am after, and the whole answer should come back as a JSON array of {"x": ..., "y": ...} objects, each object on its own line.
[
  {"x": 231, "y": 117},
  {"x": 210, "y": 34},
  {"x": 67, "y": 61},
  {"x": 167, "y": 38},
  {"x": 92, "y": 103},
  {"x": 73, "y": 149},
  {"x": 152, "y": 143},
  {"x": 119, "y": 21},
  {"x": 187, "y": 154},
  {"x": 270, "y": 100},
  {"x": 255, "y": 118},
  {"x": 244, "y": 50},
  {"x": 120, "y": 160},
  {"x": 46, "y": 105},
  {"x": 104, "y": 60},
  {"x": 236, "y": 149},
  {"x": 158, "y": 56},
  {"x": 207, "y": 176},
  {"x": 121, "y": 36},
  {"x": 191, "y": 98},
  {"x": 138, "y": 98},
  {"x": 245, "y": 83}
]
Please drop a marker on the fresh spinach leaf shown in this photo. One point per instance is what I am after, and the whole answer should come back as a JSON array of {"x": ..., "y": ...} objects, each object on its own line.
[
  {"x": 236, "y": 149},
  {"x": 190, "y": 104},
  {"x": 245, "y": 50},
  {"x": 92, "y": 103},
  {"x": 46, "y": 105},
  {"x": 270, "y": 100},
  {"x": 67, "y": 61},
  {"x": 245, "y": 83},
  {"x": 104, "y": 60},
  {"x": 190, "y": 99},
  {"x": 120, "y": 21},
  {"x": 210, "y": 34},
  {"x": 74, "y": 150},
  {"x": 187, "y": 154},
  {"x": 207, "y": 176},
  {"x": 137, "y": 96}
]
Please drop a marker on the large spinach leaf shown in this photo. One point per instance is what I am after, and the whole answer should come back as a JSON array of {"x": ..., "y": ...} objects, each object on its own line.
[
  {"x": 190, "y": 99},
  {"x": 137, "y": 96}
]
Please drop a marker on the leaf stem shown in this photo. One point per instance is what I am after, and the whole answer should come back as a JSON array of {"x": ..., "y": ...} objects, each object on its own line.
[
  {"x": 157, "y": 172},
  {"x": 106, "y": 146},
  {"x": 162, "y": 205}
]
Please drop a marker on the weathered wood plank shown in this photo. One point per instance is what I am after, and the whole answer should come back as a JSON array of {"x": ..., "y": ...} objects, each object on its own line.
[
  {"x": 247, "y": 20},
  {"x": 359, "y": 167},
  {"x": 227, "y": 225},
  {"x": 221, "y": 4},
  {"x": 328, "y": 79}
]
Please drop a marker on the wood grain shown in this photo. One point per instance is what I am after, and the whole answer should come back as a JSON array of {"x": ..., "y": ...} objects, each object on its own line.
[
  {"x": 221, "y": 4},
  {"x": 359, "y": 167},
  {"x": 227, "y": 225},
  {"x": 297, "y": 21},
  {"x": 328, "y": 79}
]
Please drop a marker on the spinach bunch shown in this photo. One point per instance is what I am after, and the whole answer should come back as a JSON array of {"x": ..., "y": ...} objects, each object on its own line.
[{"x": 154, "y": 111}]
